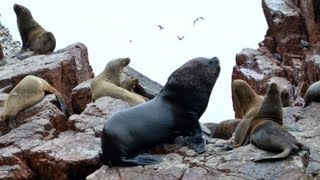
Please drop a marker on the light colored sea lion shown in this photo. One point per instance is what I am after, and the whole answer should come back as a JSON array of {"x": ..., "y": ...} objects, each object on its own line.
[
  {"x": 248, "y": 99},
  {"x": 33, "y": 36},
  {"x": 266, "y": 132},
  {"x": 174, "y": 112},
  {"x": 224, "y": 129},
  {"x": 107, "y": 83},
  {"x": 27, "y": 92},
  {"x": 312, "y": 94}
]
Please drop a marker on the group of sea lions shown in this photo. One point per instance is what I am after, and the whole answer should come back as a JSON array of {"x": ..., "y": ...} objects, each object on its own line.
[{"x": 173, "y": 113}]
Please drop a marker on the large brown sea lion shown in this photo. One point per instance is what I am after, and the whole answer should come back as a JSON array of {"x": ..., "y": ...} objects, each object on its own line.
[
  {"x": 174, "y": 112},
  {"x": 33, "y": 36},
  {"x": 249, "y": 100},
  {"x": 27, "y": 92},
  {"x": 107, "y": 83},
  {"x": 224, "y": 129},
  {"x": 265, "y": 129}
]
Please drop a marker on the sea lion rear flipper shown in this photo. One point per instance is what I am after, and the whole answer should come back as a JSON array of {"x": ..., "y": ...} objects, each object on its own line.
[
  {"x": 279, "y": 156},
  {"x": 61, "y": 102},
  {"x": 141, "y": 160}
]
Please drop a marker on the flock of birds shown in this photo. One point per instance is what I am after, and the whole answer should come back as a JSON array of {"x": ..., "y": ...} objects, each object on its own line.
[{"x": 161, "y": 27}]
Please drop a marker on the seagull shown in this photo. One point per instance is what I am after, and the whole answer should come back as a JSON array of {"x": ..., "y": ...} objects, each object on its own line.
[
  {"x": 180, "y": 38},
  {"x": 160, "y": 27},
  {"x": 198, "y": 18}
]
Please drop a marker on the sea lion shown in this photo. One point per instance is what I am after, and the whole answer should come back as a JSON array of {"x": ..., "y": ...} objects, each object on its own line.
[
  {"x": 250, "y": 104},
  {"x": 249, "y": 100},
  {"x": 174, "y": 112},
  {"x": 33, "y": 36},
  {"x": 267, "y": 133},
  {"x": 312, "y": 94},
  {"x": 130, "y": 83},
  {"x": 224, "y": 129},
  {"x": 27, "y": 92},
  {"x": 107, "y": 83}
]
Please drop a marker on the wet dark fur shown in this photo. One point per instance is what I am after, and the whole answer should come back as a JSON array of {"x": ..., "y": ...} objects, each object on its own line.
[{"x": 174, "y": 112}]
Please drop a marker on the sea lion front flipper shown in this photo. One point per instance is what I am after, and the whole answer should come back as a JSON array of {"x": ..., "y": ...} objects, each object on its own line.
[
  {"x": 197, "y": 143},
  {"x": 141, "y": 160},
  {"x": 12, "y": 123}
]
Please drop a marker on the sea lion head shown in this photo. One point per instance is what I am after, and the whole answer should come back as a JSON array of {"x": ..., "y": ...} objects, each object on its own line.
[
  {"x": 22, "y": 12},
  {"x": 116, "y": 65},
  {"x": 129, "y": 83},
  {"x": 247, "y": 98},
  {"x": 271, "y": 107},
  {"x": 196, "y": 74},
  {"x": 192, "y": 83}
]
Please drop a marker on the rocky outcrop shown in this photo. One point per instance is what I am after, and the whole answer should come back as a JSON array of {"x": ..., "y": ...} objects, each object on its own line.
[
  {"x": 47, "y": 144},
  {"x": 289, "y": 53}
]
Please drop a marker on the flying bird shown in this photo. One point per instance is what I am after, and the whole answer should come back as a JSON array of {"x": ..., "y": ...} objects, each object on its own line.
[
  {"x": 160, "y": 27},
  {"x": 198, "y": 18},
  {"x": 180, "y": 38}
]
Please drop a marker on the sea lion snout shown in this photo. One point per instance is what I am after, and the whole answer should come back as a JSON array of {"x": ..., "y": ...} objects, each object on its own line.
[
  {"x": 16, "y": 8},
  {"x": 126, "y": 61},
  {"x": 214, "y": 61}
]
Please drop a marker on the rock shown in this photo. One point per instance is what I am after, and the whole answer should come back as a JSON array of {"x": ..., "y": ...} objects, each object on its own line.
[
  {"x": 296, "y": 68},
  {"x": 64, "y": 69},
  {"x": 70, "y": 156},
  {"x": 9, "y": 45},
  {"x": 45, "y": 109},
  {"x": 150, "y": 86},
  {"x": 81, "y": 95},
  {"x": 92, "y": 119}
]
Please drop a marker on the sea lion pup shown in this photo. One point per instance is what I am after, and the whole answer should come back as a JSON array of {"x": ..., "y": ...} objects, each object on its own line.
[
  {"x": 312, "y": 94},
  {"x": 107, "y": 83},
  {"x": 130, "y": 83},
  {"x": 27, "y": 92},
  {"x": 224, "y": 129},
  {"x": 174, "y": 112},
  {"x": 266, "y": 133},
  {"x": 33, "y": 36}
]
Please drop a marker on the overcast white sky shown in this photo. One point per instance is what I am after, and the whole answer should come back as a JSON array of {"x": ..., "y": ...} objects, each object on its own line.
[{"x": 106, "y": 27}]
